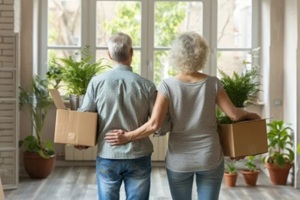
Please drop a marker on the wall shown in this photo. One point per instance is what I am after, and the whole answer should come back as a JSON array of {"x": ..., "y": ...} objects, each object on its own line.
[
  {"x": 8, "y": 95},
  {"x": 291, "y": 72}
]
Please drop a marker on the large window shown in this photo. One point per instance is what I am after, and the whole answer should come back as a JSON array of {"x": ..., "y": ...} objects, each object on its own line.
[
  {"x": 236, "y": 34},
  {"x": 229, "y": 26}
]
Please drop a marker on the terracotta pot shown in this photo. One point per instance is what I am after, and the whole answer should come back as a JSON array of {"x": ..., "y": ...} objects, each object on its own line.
[
  {"x": 36, "y": 166},
  {"x": 250, "y": 177},
  {"x": 278, "y": 175},
  {"x": 230, "y": 179}
]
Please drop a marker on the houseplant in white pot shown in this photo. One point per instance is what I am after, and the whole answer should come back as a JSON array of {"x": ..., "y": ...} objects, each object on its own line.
[{"x": 39, "y": 155}]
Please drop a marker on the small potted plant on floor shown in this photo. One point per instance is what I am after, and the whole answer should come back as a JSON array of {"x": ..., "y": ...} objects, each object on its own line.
[
  {"x": 230, "y": 173},
  {"x": 251, "y": 172},
  {"x": 280, "y": 157},
  {"x": 39, "y": 157}
]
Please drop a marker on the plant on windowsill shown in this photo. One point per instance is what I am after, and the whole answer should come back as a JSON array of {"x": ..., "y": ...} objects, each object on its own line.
[
  {"x": 280, "y": 157},
  {"x": 39, "y": 155},
  {"x": 251, "y": 172},
  {"x": 54, "y": 74},
  {"x": 230, "y": 173},
  {"x": 76, "y": 75}
]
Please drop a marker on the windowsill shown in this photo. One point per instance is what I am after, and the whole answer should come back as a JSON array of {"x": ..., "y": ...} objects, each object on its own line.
[{"x": 256, "y": 103}]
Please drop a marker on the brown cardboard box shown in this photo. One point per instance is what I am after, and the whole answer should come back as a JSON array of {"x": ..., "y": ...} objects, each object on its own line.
[
  {"x": 244, "y": 138},
  {"x": 1, "y": 191},
  {"x": 73, "y": 127}
]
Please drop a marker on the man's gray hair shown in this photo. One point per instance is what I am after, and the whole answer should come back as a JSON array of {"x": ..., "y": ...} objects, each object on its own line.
[{"x": 119, "y": 46}]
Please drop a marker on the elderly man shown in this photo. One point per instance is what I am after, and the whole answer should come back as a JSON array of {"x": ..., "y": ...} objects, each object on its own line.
[{"x": 123, "y": 99}]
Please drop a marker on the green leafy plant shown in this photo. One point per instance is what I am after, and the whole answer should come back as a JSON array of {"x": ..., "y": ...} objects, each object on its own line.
[
  {"x": 241, "y": 88},
  {"x": 298, "y": 148},
  {"x": 77, "y": 74},
  {"x": 250, "y": 164},
  {"x": 54, "y": 74},
  {"x": 230, "y": 166},
  {"x": 35, "y": 102},
  {"x": 280, "y": 147}
]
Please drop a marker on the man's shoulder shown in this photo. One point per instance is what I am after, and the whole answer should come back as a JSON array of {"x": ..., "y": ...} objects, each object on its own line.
[{"x": 144, "y": 80}]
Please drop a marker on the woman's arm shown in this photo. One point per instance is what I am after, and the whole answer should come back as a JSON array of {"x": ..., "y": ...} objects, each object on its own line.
[
  {"x": 233, "y": 112},
  {"x": 117, "y": 137}
]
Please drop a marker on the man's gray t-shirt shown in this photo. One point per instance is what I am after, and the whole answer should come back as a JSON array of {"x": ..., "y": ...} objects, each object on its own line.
[{"x": 194, "y": 143}]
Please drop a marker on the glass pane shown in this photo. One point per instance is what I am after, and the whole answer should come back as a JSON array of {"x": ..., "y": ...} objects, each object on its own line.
[
  {"x": 172, "y": 18},
  {"x": 162, "y": 69},
  {"x": 234, "y": 23},
  {"x": 136, "y": 61},
  {"x": 64, "y": 22},
  {"x": 63, "y": 53},
  {"x": 116, "y": 16},
  {"x": 53, "y": 54},
  {"x": 233, "y": 61},
  {"x": 102, "y": 54}
]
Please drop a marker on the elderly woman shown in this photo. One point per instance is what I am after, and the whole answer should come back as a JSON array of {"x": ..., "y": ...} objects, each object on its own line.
[{"x": 189, "y": 99}]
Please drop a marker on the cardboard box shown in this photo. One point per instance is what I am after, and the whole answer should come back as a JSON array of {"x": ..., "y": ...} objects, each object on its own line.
[
  {"x": 244, "y": 138},
  {"x": 73, "y": 127},
  {"x": 1, "y": 191}
]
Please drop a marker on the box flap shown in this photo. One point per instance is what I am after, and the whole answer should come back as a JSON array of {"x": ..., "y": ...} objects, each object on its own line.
[{"x": 57, "y": 99}]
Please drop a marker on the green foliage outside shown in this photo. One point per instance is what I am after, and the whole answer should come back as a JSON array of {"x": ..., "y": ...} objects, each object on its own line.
[{"x": 128, "y": 20}]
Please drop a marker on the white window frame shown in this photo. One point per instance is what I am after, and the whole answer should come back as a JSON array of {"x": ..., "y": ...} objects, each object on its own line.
[{"x": 209, "y": 32}]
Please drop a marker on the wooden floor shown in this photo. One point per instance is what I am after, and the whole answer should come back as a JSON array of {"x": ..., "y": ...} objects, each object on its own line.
[{"x": 79, "y": 183}]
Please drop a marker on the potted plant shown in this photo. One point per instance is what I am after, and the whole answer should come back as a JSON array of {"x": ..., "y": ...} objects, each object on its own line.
[
  {"x": 241, "y": 88},
  {"x": 230, "y": 173},
  {"x": 76, "y": 75},
  {"x": 54, "y": 74},
  {"x": 251, "y": 172},
  {"x": 39, "y": 156},
  {"x": 280, "y": 157}
]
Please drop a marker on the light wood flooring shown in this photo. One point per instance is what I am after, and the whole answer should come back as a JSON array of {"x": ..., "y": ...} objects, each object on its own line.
[{"x": 79, "y": 183}]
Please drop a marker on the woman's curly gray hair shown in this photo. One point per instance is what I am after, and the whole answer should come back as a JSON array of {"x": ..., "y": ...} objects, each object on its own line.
[{"x": 189, "y": 52}]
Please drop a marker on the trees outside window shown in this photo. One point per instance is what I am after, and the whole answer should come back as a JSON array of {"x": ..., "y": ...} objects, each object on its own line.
[{"x": 67, "y": 26}]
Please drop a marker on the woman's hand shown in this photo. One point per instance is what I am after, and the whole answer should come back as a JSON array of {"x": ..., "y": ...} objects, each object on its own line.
[
  {"x": 117, "y": 137},
  {"x": 252, "y": 116}
]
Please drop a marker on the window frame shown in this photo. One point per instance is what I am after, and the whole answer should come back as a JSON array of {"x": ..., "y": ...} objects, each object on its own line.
[{"x": 147, "y": 51}]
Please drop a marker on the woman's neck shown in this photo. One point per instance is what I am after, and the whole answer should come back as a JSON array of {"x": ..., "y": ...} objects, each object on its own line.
[{"x": 191, "y": 77}]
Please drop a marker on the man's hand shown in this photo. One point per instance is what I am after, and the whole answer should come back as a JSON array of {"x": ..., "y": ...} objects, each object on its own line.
[
  {"x": 81, "y": 147},
  {"x": 117, "y": 137}
]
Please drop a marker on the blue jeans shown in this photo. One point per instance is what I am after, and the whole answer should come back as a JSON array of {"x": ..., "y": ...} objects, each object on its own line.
[
  {"x": 134, "y": 172},
  {"x": 208, "y": 183}
]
